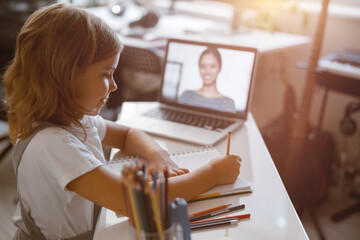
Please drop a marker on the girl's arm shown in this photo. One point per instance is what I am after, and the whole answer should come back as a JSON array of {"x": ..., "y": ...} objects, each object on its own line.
[
  {"x": 220, "y": 170},
  {"x": 104, "y": 187},
  {"x": 133, "y": 141}
]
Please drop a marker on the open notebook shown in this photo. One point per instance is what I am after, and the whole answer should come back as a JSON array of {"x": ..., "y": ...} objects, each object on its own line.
[{"x": 192, "y": 159}]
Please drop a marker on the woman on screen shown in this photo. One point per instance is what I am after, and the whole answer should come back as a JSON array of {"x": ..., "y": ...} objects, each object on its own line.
[{"x": 208, "y": 95}]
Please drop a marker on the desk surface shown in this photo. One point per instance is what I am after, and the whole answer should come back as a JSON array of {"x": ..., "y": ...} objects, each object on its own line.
[{"x": 272, "y": 213}]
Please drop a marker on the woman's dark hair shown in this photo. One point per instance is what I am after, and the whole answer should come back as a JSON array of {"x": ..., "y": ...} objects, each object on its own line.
[{"x": 214, "y": 52}]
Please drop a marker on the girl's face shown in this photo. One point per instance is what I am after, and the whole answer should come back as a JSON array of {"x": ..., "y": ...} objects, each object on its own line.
[
  {"x": 95, "y": 83},
  {"x": 209, "y": 69}
]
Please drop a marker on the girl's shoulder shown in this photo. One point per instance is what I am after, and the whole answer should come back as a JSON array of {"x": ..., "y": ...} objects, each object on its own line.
[
  {"x": 51, "y": 135},
  {"x": 97, "y": 122},
  {"x": 54, "y": 134},
  {"x": 92, "y": 120}
]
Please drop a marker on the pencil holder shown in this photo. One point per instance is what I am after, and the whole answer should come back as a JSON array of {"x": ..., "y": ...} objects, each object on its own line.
[{"x": 174, "y": 232}]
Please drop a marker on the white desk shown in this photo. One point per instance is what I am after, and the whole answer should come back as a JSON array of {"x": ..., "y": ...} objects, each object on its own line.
[{"x": 272, "y": 213}]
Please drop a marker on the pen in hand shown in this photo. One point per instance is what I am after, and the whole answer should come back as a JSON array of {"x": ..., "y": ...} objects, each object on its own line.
[{"x": 228, "y": 143}]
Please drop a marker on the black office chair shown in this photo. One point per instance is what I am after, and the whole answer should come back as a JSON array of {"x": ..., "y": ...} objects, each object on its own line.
[
  {"x": 4, "y": 128},
  {"x": 5, "y": 56},
  {"x": 8, "y": 146},
  {"x": 138, "y": 77}
]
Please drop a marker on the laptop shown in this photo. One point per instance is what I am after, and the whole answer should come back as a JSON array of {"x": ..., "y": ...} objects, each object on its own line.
[{"x": 205, "y": 92}]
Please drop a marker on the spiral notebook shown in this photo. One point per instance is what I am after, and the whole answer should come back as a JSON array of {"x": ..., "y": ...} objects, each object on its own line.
[{"x": 190, "y": 159}]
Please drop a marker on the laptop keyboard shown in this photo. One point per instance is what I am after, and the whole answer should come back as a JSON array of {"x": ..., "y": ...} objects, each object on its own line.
[{"x": 209, "y": 123}]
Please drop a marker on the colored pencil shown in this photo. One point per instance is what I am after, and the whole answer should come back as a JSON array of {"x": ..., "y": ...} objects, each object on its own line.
[
  {"x": 228, "y": 143},
  {"x": 155, "y": 177},
  {"x": 212, "y": 222},
  {"x": 135, "y": 215},
  {"x": 234, "y": 190},
  {"x": 149, "y": 210},
  {"x": 218, "y": 195},
  {"x": 124, "y": 185},
  {"x": 165, "y": 207},
  {"x": 156, "y": 214},
  {"x": 243, "y": 216},
  {"x": 140, "y": 200},
  {"x": 220, "y": 223},
  {"x": 161, "y": 195},
  {"x": 226, "y": 210},
  {"x": 209, "y": 210}
]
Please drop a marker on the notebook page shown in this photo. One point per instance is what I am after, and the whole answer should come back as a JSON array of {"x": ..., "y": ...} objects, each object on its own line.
[
  {"x": 195, "y": 158},
  {"x": 118, "y": 163},
  {"x": 120, "y": 159},
  {"x": 239, "y": 185}
]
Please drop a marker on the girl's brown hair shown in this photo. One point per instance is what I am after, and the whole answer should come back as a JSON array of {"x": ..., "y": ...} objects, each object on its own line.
[{"x": 54, "y": 42}]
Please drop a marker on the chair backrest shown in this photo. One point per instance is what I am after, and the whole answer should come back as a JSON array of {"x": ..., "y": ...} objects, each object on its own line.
[
  {"x": 144, "y": 65},
  {"x": 140, "y": 59}
]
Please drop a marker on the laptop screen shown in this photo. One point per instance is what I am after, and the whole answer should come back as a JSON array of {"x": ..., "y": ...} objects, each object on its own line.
[{"x": 211, "y": 77}]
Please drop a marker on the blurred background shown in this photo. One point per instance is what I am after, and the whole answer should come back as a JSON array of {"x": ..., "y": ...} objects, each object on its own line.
[{"x": 298, "y": 69}]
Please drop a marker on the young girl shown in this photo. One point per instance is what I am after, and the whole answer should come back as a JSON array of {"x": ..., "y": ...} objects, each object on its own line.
[{"x": 60, "y": 77}]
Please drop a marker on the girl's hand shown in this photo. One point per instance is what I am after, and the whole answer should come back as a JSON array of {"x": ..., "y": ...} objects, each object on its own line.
[
  {"x": 174, "y": 169},
  {"x": 161, "y": 160},
  {"x": 225, "y": 169}
]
